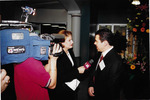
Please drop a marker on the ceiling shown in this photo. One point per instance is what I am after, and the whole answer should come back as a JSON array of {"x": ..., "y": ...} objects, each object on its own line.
[
  {"x": 46, "y": 4},
  {"x": 69, "y": 4},
  {"x": 66, "y": 4},
  {"x": 105, "y": 6}
]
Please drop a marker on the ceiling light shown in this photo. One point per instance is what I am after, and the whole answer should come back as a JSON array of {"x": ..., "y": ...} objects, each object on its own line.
[{"x": 136, "y": 2}]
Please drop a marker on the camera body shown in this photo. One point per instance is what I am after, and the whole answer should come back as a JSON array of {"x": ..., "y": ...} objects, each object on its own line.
[
  {"x": 19, "y": 44},
  {"x": 54, "y": 38}
]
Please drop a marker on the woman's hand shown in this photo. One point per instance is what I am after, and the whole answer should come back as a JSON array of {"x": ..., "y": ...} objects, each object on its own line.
[{"x": 81, "y": 69}]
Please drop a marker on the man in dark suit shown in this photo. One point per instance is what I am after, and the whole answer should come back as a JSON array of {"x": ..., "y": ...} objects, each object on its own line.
[{"x": 105, "y": 84}]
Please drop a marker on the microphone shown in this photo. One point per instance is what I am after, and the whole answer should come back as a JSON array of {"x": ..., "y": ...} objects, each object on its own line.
[{"x": 88, "y": 64}]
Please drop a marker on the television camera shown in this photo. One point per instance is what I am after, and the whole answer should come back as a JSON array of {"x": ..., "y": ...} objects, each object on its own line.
[{"x": 19, "y": 42}]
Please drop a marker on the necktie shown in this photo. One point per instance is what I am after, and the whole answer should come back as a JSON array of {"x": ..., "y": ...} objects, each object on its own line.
[
  {"x": 101, "y": 58},
  {"x": 98, "y": 69}
]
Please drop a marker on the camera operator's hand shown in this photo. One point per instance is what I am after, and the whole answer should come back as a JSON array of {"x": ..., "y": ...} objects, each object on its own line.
[
  {"x": 57, "y": 49},
  {"x": 51, "y": 67},
  {"x": 5, "y": 80}
]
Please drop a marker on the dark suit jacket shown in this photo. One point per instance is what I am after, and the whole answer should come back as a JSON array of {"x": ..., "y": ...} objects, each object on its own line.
[
  {"x": 107, "y": 81},
  {"x": 65, "y": 73}
]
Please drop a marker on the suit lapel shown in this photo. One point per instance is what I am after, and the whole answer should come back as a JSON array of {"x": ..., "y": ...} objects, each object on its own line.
[{"x": 107, "y": 61}]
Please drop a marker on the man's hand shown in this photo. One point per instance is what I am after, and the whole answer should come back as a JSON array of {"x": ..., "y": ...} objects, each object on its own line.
[{"x": 91, "y": 91}]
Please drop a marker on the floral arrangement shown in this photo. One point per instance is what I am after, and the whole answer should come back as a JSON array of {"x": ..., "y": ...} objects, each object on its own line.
[
  {"x": 131, "y": 62},
  {"x": 134, "y": 62}
]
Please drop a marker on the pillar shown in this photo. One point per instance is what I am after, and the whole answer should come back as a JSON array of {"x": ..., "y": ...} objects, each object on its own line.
[
  {"x": 73, "y": 25},
  {"x": 74, "y": 21},
  {"x": 76, "y": 34}
]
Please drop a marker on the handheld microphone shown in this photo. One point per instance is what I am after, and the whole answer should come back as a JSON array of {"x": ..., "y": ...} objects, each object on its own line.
[{"x": 88, "y": 64}]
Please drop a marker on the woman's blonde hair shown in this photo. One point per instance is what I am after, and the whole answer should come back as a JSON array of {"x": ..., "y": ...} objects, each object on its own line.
[{"x": 65, "y": 32}]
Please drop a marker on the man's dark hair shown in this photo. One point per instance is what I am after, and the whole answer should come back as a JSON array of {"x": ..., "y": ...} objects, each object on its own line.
[{"x": 106, "y": 34}]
